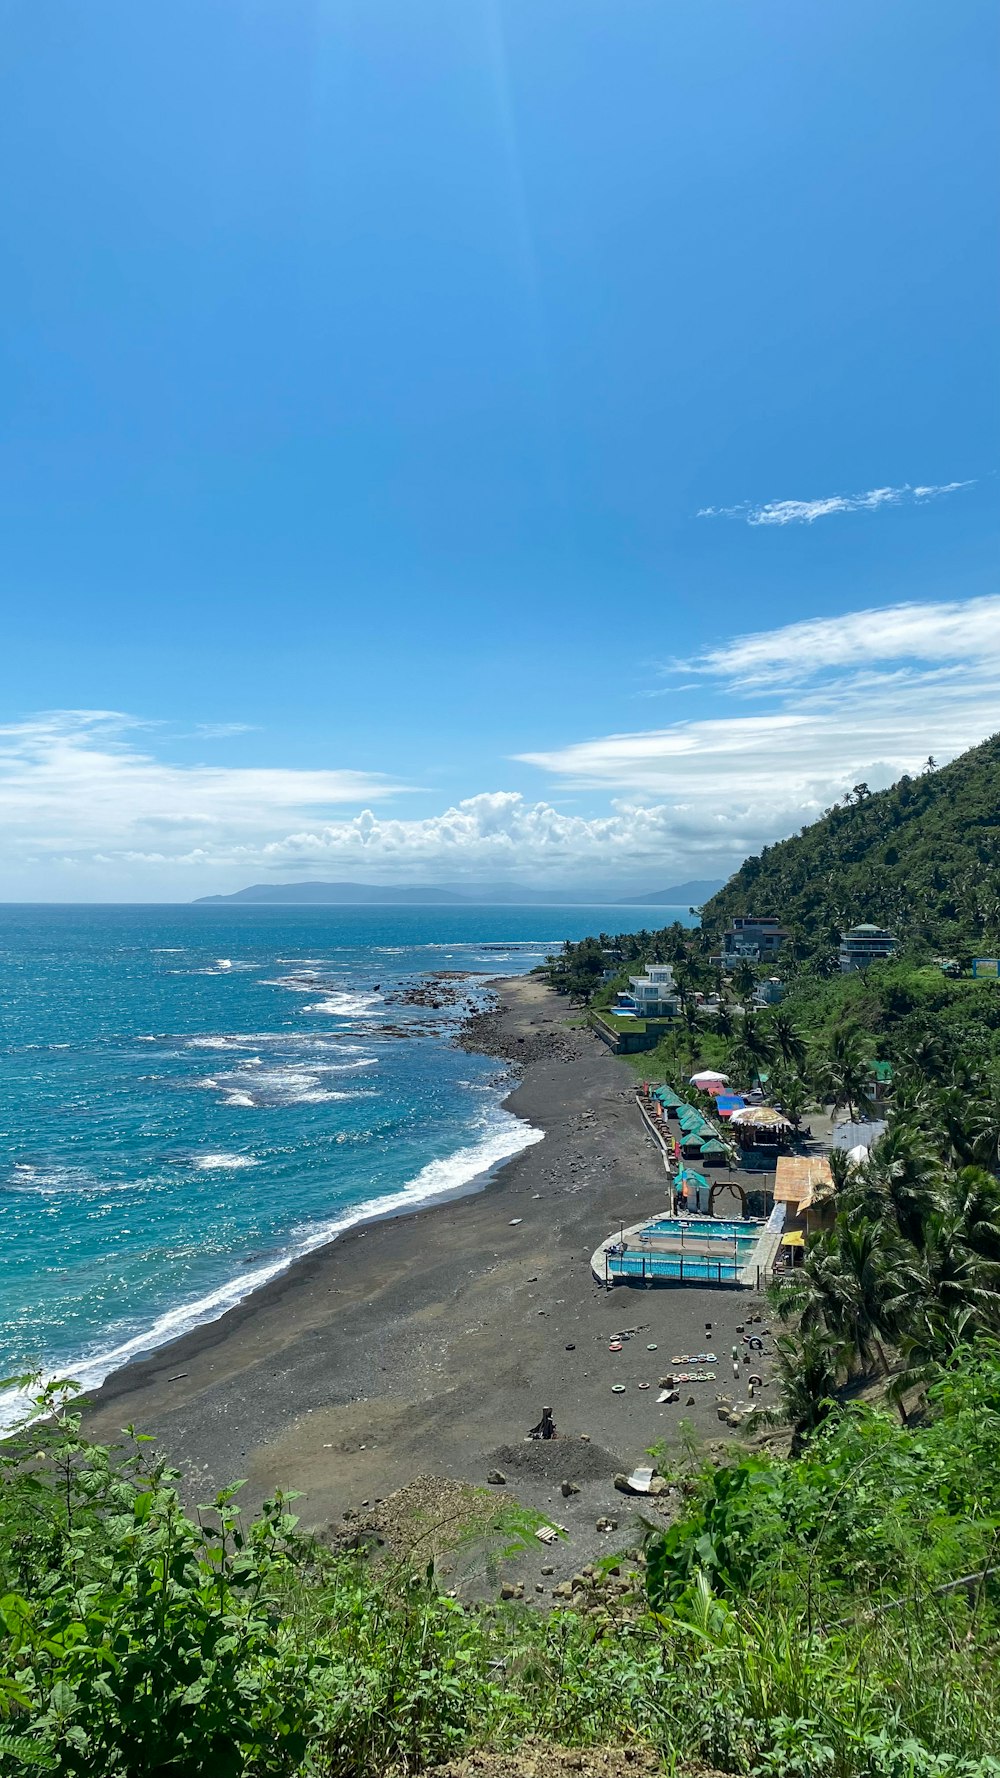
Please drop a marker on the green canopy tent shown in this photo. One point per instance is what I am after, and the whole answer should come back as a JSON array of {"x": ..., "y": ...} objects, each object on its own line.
[{"x": 689, "y": 1119}]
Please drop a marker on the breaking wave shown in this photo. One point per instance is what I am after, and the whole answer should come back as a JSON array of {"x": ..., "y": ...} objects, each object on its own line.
[{"x": 505, "y": 1137}]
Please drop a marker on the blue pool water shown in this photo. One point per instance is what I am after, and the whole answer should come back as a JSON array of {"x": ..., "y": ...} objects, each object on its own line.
[
  {"x": 684, "y": 1267},
  {"x": 192, "y": 1096},
  {"x": 744, "y": 1233}
]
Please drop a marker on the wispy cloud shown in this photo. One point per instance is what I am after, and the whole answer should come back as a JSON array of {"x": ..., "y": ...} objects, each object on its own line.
[
  {"x": 74, "y": 784},
  {"x": 863, "y": 697},
  {"x": 806, "y": 512},
  {"x": 958, "y": 630},
  {"x": 90, "y": 805}
]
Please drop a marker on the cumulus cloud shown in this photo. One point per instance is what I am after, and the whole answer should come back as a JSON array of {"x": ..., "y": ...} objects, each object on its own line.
[
  {"x": 806, "y": 512},
  {"x": 87, "y": 807}
]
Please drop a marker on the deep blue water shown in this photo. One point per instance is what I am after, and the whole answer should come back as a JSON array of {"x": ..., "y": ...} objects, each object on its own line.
[{"x": 192, "y": 1096}]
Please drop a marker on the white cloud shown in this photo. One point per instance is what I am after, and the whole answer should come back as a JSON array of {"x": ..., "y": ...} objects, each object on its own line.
[
  {"x": 491, "y": 835},
  {"x": 960, "y": 630},
  {"x": 864, "y": 697},
  {"x": 72, "y": 784},
  {"x": 806, "y": 512},
  {"x": 88, "y": 808}
]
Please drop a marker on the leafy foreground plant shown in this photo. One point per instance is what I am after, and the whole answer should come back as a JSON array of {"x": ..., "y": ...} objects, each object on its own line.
[
  {"x": 133, "y": 1639},
  {"x": 136, "y": 1641}
]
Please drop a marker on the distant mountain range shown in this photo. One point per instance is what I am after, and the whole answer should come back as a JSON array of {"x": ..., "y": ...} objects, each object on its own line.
[
  {"x": 690, "y": 894},
  {"x": 416, "y": 894}
]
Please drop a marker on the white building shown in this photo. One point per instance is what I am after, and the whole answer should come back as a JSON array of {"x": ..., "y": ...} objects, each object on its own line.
[
  {"x": 654, "y": 994},
  {"x": 863, "y": 945}
]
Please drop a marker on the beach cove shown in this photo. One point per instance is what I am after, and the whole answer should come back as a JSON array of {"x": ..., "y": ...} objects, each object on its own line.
[{"x": 428, "y": 1343}]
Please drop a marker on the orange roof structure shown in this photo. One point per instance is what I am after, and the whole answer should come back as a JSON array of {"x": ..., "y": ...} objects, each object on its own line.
[{"x": 801, "y": 1180}]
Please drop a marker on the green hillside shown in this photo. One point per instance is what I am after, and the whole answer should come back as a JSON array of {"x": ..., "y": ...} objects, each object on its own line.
[{"x": 922, "y": 858}]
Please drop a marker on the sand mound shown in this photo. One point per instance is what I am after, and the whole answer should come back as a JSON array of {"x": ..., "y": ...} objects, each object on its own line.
[{"x": 553, "y": 1460}]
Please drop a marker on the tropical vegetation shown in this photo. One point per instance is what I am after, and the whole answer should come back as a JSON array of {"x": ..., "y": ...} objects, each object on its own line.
[
  {"x": 833, "y": 1614},
  {"x": 921, "y": 858}
]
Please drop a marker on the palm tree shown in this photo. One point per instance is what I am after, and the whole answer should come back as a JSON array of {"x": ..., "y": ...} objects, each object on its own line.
[
  {"x": 984, "y": 1125},
  {"x": 946, "y": 1292},
  {"x": 752, "y": 1049},
  {"x": 809, "y": 1369},
  {"x": 841, "y": 1287},
  {"x": 902, "y": 1181},
  {"x": 865, "y": 1260},
  {"x": 842, "y": 1171},
  {"x": 975, "y": 1198},
  {"x": 790, "y": 1092},
  {"x": 926, "y": 1056},
  {"x": 745, "y": 980},
  {"x": 788, "y": 1041},
  {"x": 846, "y": 1072}
]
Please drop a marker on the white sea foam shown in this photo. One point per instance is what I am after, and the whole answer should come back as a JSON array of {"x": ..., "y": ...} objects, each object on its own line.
[
  {"x": 506, "y": 1136},
  {"x": 213, "y": 1163},
  {"x": 257, "y": 1086},
  {"x": 51, "y": 1181},
  {"x": 345, "y": 1005}
]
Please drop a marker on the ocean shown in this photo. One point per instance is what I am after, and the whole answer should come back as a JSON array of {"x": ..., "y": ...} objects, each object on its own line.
[{"x": 195, "y": 1096}]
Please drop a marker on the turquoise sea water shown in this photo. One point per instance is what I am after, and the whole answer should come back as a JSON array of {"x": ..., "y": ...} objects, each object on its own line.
[{"x": 193, "y": 1096}]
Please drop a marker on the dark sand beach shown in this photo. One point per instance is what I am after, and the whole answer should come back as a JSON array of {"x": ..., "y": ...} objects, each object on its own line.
[{"x": 427, "y": 1344}]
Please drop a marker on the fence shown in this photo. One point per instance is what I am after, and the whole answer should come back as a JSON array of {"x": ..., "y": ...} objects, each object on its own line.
[{"x": 647, "y": 1268}]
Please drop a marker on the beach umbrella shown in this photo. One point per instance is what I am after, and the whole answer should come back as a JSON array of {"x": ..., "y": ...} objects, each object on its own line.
[
  {"x": 858, "y": 1156},
  {"x": 761, "y": 1117},
  {"x": 707, "y": 1074}
]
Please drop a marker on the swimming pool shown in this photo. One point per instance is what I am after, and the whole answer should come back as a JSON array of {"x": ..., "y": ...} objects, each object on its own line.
[
  {"x": 647, "y": 1266},
  {"x": 745, "y": 1234}
]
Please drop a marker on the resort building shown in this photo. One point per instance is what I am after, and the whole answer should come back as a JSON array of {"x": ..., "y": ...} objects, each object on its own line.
[
  {"x": 652, "y": 995},
  {"x": 752, "y": 938},
  {"x": 769, "y": 993},
  {"x": 804, "y": 1184},
  {"x": 863, "y": 945},
  {"x": 879, "y": 1087}
]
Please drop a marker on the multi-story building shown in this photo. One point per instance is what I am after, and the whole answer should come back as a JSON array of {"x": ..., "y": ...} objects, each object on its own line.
[
  {"x": 862, "y": 945},
  {"x": 652, "y": 995},
  {"x": 752, "y": 938}
]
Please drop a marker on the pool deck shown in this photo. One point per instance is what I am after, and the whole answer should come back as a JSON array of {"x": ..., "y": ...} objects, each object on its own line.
[{"x": 695, "y": 1243}]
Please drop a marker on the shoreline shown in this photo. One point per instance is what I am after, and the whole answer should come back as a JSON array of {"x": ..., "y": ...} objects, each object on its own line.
[
  {"x": 426, "y": 1342},
  {"x": 368, "y": 1215}
]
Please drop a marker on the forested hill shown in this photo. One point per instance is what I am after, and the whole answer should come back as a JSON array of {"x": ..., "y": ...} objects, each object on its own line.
[{"x": 922, "y": 858}]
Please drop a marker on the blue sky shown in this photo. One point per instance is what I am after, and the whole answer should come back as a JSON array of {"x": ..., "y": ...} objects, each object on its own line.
[{"x": 409, "y": 408}]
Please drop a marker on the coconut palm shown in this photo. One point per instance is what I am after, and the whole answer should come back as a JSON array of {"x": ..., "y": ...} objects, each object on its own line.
[
  {"x": 945, "y": 1292},
  {"x": 983, "y": 1121},
  {"x": 752, "y": 1049},
  {"x": 865, "y": 1260},
  {"x": 788, "y": 1091},
  {"x": 809, "y": 1366},
  {"x": 788, "y": 1041},
  {"x": 745, "y": 980},
  {"x": 902, "y": 1182},
  {"x": 975, "y": 1198},
  {"x": 841, "y": 1286},
  {"x": 845, "y": 1072}
]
